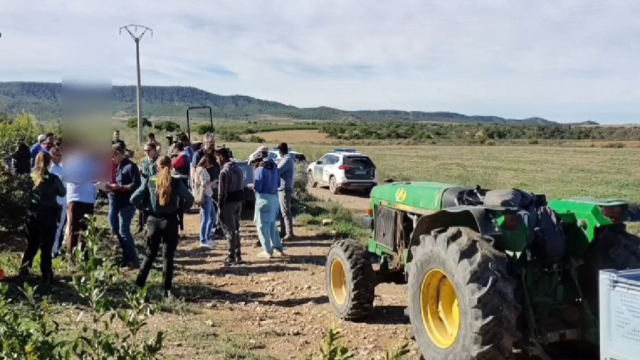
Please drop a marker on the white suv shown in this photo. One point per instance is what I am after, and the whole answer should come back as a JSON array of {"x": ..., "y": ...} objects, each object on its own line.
[{"x": 343, "y": 169}]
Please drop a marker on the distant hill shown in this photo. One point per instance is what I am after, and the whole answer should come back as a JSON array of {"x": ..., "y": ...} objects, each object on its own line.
[{"x": 44, "y": 99}]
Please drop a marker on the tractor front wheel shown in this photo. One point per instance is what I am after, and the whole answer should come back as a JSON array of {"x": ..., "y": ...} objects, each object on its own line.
[
  {"x": 350, "y": 280},
  {"x": 461, "y": 298}
]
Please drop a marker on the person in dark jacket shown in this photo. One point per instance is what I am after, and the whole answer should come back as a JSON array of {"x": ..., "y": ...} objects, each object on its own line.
[
  {"x": 148, "y": 169},
  {"x": 181, "y": 170},
  {"x": 43, "y": 214},
  {"x": 161, "y": 197},
  {"x": 230, "y": 197},
  {"x": 127, "y": 181},
  {"x": 22, "y": 159}
]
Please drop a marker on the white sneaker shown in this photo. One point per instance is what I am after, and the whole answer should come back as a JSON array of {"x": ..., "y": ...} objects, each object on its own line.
[
  {"x": 281, "y": 252},
  {"x": 265, "y": 255},
  {"x": 206, "y": 244}
]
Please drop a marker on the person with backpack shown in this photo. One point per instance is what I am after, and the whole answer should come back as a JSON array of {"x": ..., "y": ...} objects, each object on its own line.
[
  {"x": 203, "y": 190},
  {"x": 181, "y": 171},
  {"x": 161, "y": 197},
  {"x": 42, "y": 217}
]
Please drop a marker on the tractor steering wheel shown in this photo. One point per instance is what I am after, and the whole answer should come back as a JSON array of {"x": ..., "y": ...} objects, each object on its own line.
[{"x": 472, "y": 197}]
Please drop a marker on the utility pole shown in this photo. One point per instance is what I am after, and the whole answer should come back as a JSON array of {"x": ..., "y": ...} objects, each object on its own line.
[{"x": 139, "y": 88}]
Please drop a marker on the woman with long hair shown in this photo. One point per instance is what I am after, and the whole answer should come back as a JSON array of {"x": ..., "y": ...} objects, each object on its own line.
[
  {"x": 42, "y": 216},
  {"x": 202, "y": 182},
  {"x": 161, "y": 197}
]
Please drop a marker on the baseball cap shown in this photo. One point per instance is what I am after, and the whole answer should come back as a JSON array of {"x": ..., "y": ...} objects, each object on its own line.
[
  {"x": 262, "y": 149},
  {"x": 117, "y": 148},
  {"x": 42, "y": 138},
  {"x": 256, "y": 156}
]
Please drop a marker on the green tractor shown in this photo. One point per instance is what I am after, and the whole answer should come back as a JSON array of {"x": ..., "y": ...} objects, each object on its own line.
[{"x": 489, "y": 273}]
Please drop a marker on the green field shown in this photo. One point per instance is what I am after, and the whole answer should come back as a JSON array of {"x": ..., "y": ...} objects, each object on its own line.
[{"x": 566, "y": 172}]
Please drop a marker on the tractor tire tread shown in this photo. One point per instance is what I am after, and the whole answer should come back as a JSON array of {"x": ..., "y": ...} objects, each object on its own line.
[
  {"x": 490, "y": 308},
  {"x": 359, "y": 302}
]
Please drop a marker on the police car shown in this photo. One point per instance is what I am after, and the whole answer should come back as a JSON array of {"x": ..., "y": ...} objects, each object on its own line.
[
  {"x": 299, "y": 158},
  {"x": 343, "y": 169}
]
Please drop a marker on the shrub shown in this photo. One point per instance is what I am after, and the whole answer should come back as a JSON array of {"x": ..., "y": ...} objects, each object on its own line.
[
  {"x": 490, "y": 143},
  {"x": 133, "y": 123},
  {"x": 533, "y": 142},
  {"x": 205, "y": 129},
  {"x": 168, "y": 126},
  {"x": 256, "y": 139},
  {"x": 616, "y": 145}
]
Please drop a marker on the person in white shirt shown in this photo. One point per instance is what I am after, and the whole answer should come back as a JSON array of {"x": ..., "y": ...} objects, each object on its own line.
[
  {"x": 82, "y": 172},
  {"x": 56, "y": 168}
]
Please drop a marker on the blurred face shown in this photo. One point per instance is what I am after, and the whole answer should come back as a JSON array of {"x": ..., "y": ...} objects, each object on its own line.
[
  {"x": 117, "y": 158},
  {"x": 116, "y": 135},
  {"x": 207, "y": 144},
  {"x": 220, "y": 160},
  {"x": 56, "y": 155}
]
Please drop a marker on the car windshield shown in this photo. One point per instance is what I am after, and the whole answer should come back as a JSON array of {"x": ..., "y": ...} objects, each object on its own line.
[{"x": 358, "y": 161}]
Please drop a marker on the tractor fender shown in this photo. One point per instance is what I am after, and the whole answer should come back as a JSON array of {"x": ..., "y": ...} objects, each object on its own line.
[{"x": 471, "y": 217}]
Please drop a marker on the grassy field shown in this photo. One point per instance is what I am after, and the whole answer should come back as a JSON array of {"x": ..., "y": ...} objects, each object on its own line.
[{"x": 597, "y": 172}]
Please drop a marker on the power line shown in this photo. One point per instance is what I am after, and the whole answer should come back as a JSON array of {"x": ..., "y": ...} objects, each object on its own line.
[{"x": 139, "y": 87}]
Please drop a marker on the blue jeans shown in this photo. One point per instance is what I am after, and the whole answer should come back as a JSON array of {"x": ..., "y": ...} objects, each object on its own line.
[
  {"x": 120, "y": 219},
  {"x": 267, "y": 208},
  {"x": 207, "y": 219}
]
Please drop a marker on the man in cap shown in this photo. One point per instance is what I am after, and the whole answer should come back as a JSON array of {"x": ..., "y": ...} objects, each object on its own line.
[
  {"x": 35, "y": 149},
  {"x": 230, "y": 197},
  {"x": 287, "y": 169}
]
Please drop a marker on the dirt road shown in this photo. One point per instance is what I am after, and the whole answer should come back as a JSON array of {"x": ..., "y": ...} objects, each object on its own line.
[
  {"x": 269, "y": 308},
  {"x": 351, "y": 200}
]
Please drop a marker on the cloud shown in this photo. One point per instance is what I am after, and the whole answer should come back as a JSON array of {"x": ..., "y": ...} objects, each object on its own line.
[{"x": 568, "y": 60}]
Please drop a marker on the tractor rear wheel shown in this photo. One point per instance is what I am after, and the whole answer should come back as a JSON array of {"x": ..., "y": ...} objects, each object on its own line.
[
  {"x": 615, "y": 249},
  {"x": 461, "y": 298},
  {"x": 350, "y": 280}
]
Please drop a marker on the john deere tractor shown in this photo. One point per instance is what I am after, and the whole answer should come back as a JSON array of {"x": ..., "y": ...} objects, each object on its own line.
[{"x": 489, "y": 273}]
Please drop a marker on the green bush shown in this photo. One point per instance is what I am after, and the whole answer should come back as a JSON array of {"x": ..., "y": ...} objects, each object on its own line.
[
  {"x": 133, "y": 123},
  {"x": 205, "y": 129},
  {"x": 168, "y": 126},
  {"x": 616, "y": 145}
]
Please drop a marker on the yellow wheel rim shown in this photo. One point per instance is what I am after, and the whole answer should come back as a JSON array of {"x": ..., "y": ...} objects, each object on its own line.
[
  {"x": 338, "y": 282},
  {"x": 440, "y": 309}
]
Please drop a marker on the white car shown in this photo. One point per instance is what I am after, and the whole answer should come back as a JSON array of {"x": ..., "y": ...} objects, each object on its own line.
[
  {"x": 297, "y": 157},
  {"x": 343, "y": 169}
]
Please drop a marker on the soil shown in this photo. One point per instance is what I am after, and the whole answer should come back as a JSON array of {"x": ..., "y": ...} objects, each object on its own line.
[
  {"x": 352, "y": 200},
  {"x": 275, "y": 307}
]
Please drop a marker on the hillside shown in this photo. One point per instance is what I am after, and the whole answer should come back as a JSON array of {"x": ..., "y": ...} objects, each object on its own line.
[{"x": 43, "y": 100}]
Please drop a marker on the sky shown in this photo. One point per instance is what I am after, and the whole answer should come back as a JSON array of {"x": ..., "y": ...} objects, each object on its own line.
[{"x": 564, "y": 60}]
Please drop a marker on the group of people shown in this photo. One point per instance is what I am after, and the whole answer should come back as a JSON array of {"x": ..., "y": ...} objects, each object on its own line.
[{"x": 162, "y": 189}]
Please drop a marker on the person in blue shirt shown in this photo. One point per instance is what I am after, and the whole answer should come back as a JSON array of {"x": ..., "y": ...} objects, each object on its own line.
[
  {"x": 120, "y": 218},
  {"x": 266, "y": 184},
  {"x": 35, "y": 149},
  {"x": 287, "y": 169}
]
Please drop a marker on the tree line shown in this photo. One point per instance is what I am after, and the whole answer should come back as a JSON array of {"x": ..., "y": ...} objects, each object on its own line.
[{"x": 430, "y": 132}]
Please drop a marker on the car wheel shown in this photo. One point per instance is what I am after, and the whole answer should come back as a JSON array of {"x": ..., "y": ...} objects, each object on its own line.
[
  {"x": 310, "y": 180},
  {"x": 333, "y": 185}
]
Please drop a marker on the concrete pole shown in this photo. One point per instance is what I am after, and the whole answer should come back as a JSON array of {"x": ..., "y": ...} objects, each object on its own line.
[{"x": 139, "y": 94}]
